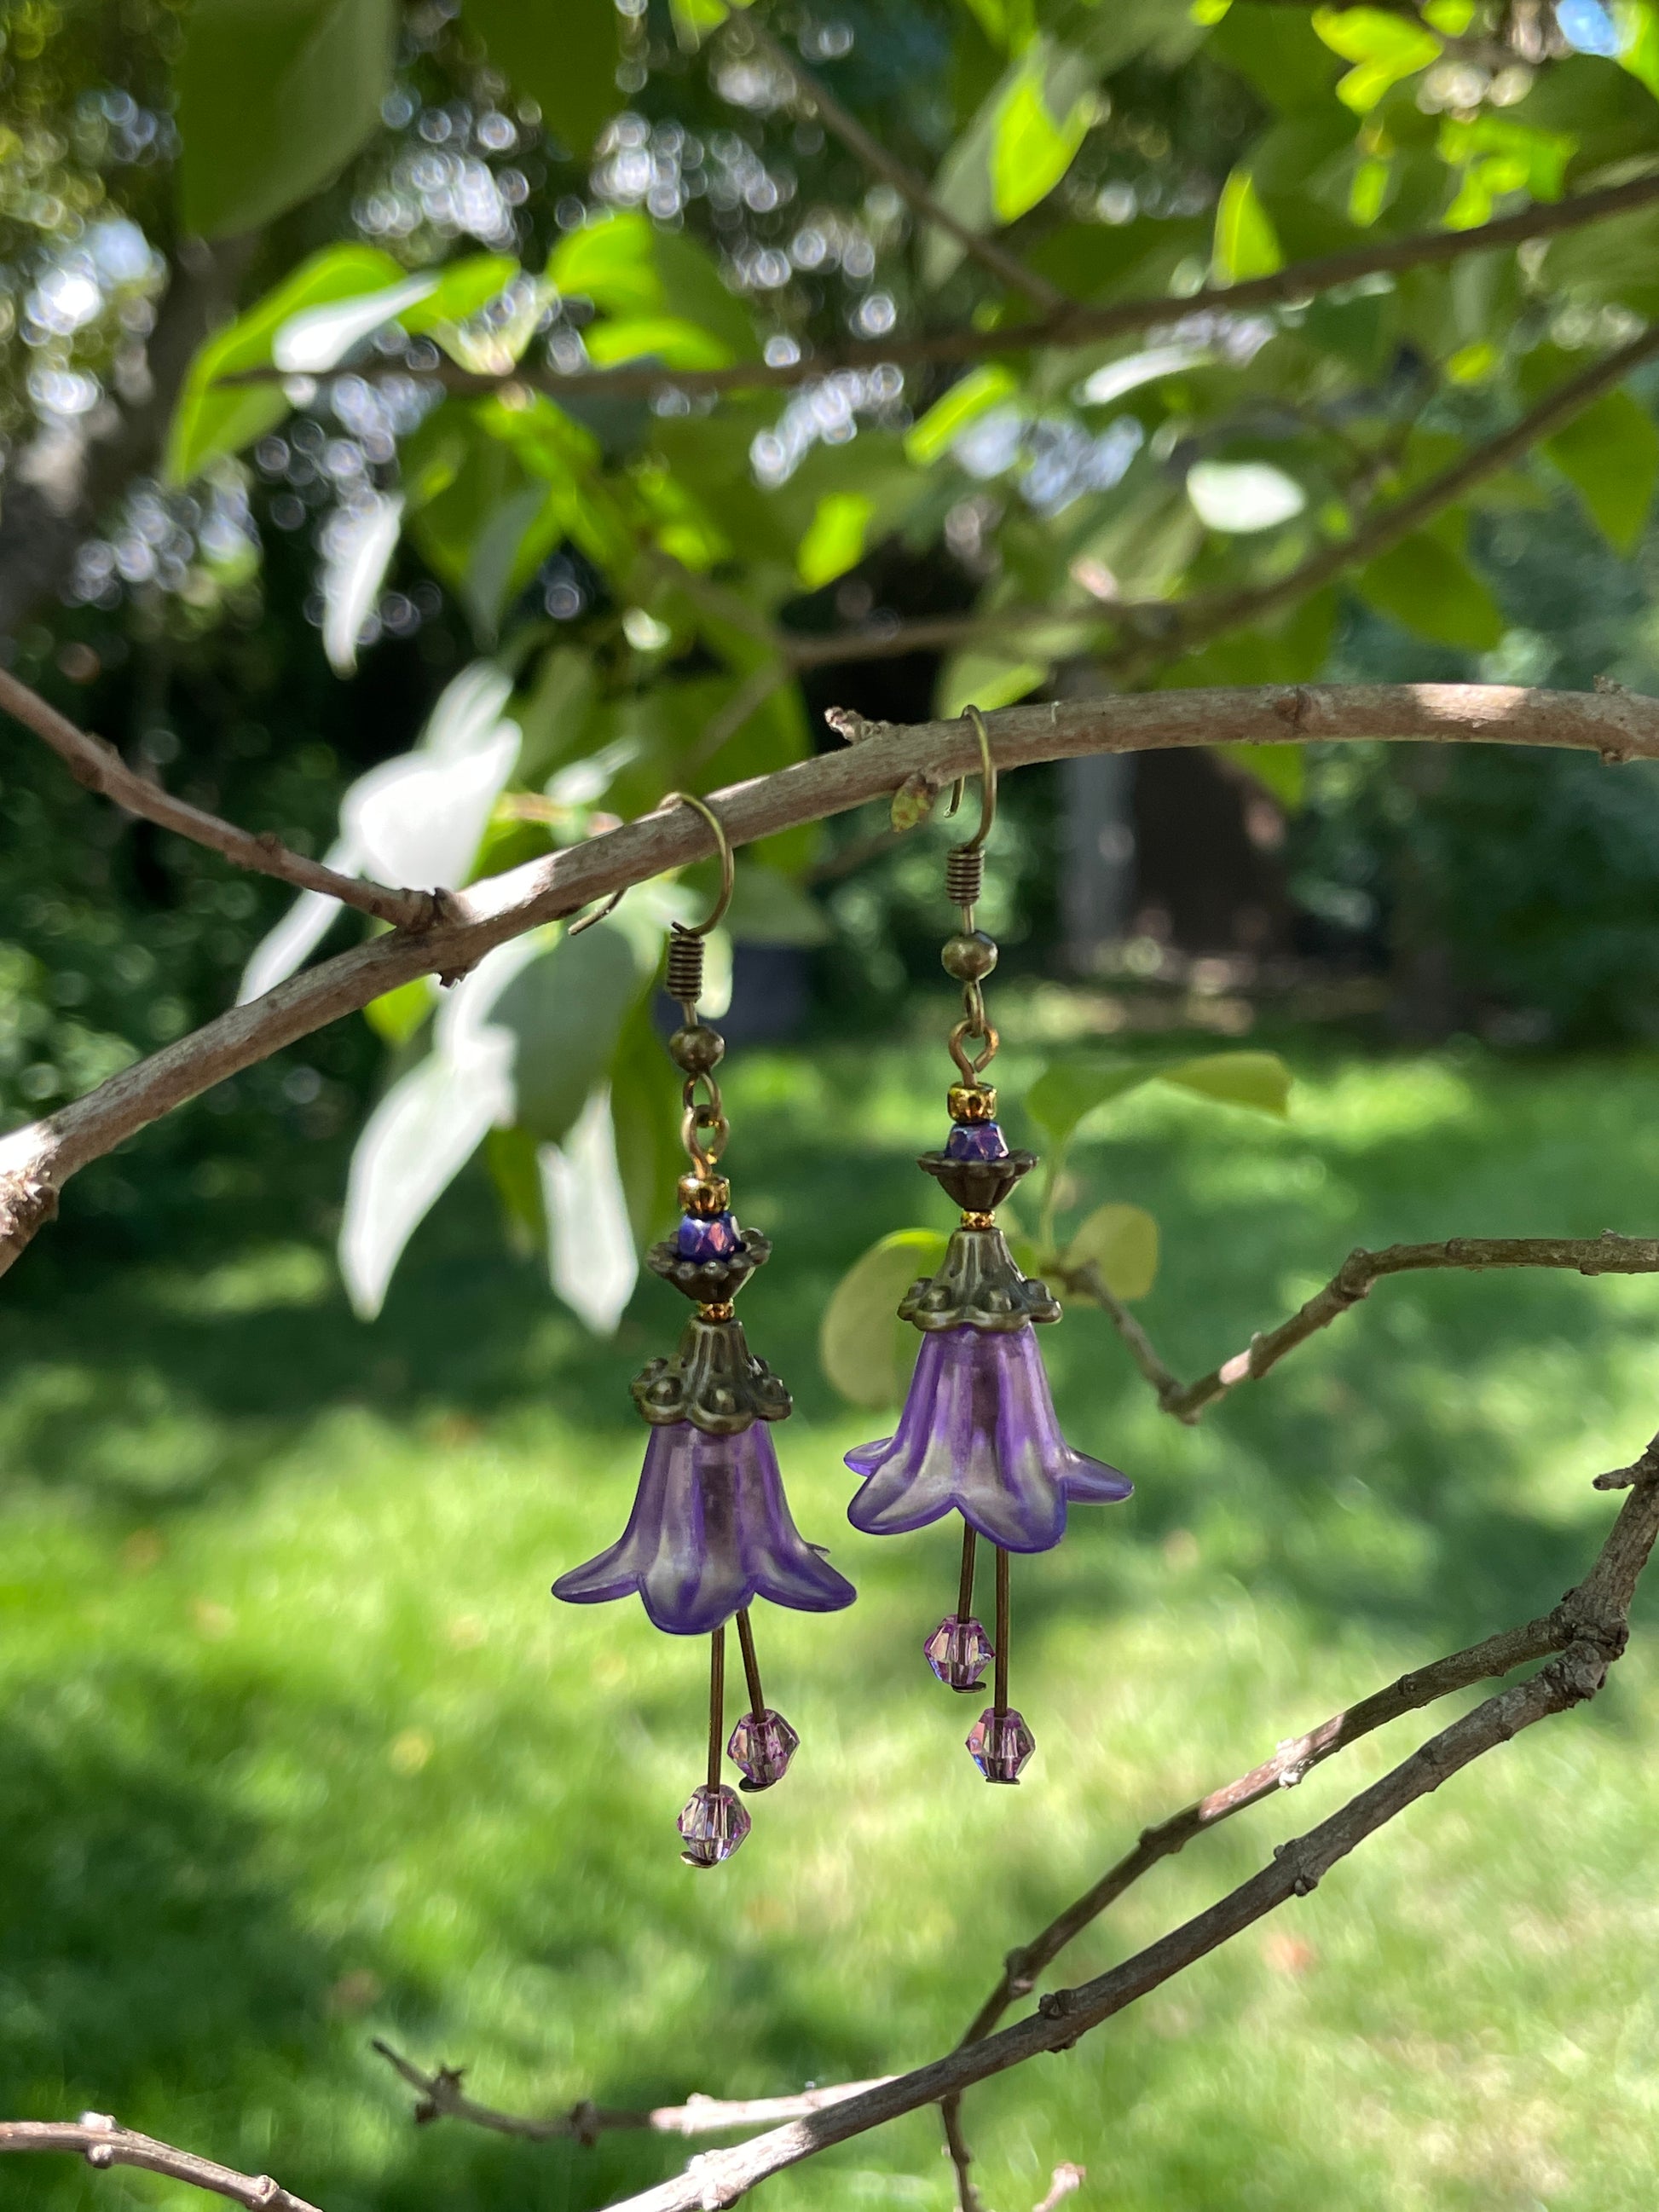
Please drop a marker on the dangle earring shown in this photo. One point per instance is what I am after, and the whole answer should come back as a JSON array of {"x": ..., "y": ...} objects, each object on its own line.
[
  {"x": 711, "y": 1529},
  {"x": 978, "y": 1435}
]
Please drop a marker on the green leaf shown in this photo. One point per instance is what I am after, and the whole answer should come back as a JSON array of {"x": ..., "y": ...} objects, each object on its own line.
[
  {"x": 1259, "y": 1080},
  {"x": 1246, "y": 243},
  {"x": 510, "y": 1155},
  {"x": 632, "y": 270},
  {"x": 1610, "y": 455},
  {"x": 969, "y": 398},
  {"x": 207, "y": 421},
  {"x": 668, "y": 339},
  {"x": 1122, "y": 1242},
  {"x": 1016, "y": 149},
  {"x": 510, "y": 546},
  {"x": 274, "y": 97},
  {"x": 1281, "y": 770},
  {"x": 1386, "y": 49},
  {"x": 1427, "y": 585},
  {"x": 1638, "y": 41},
  {"x": 1069, "y": 1091},
  {"x": 566, "y": 1009},
  {"x": 646, "y": 1111},
  {"x": 986, "y": 680},
  {"x": 835, "y": 541},
  {"x": 395, "y": 1015},
  {"x": 1044, "y": 118},
  {"x": 562, "y": 54},
  {"x": 866, "y": 1351}
]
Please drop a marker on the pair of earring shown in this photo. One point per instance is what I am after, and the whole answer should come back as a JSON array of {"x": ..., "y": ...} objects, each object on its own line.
[{"x": 711, "y": 1529}]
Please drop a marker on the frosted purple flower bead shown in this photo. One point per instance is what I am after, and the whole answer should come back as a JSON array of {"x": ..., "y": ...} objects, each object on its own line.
[
  {"x": 1000, "y": 1744},
  {"x": 979, "y": 1435},
  {"x": 959, "y": 1651},
  {"x": 712, "y": 1826},
  {"x": 711, "y": 1530},
  {"x": 761, "y": 1747}
]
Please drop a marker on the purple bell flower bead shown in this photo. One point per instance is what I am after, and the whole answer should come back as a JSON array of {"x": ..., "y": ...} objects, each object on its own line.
[
  {"x": 1000, "y": 1744},
  {"x": 761, "y": 1746},
  {"x": 959, "y": 1651},
  {"x": 712, "y": 1826}
]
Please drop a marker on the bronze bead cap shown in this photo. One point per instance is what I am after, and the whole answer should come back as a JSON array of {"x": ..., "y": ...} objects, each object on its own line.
[
  {"x": 977, "y": 1286},
  {"x": 977, "y": 1186},
  {"x": 711, "y": 1380},
  {"x": 710, "y": 1282}
]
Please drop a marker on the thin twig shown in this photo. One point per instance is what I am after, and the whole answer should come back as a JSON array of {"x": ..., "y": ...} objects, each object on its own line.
[
  {"x": 961, "y": 2156},
  {"x": 442, "y": 2098},
  {"x": 910, "y": 188},
  {"x": 1181, "y": 626},
  {"x": 1608, "y": 1253},
  {"x": 1070, "y": 326},
  {"x": 37, "y": 1160},
  {"x": 1599, "y": 1610},
  {"x": 1066, "y": 2178},
  {"x": 95, "y": 762},
  {"x": 98, "y": 2139}
]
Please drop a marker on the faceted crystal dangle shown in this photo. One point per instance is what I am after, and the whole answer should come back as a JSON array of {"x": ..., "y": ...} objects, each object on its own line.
[
  {"x": 959, "y": 1651},
  {"x": 762, "y": 1746},
  {"x": 713, "y": 1825},
  {"x": 715, "y": 1237},
  {"x": 1000, "y": 1744}
]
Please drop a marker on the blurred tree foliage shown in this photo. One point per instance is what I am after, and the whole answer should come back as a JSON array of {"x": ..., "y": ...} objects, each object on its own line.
[{"x": 587, "y": 342}]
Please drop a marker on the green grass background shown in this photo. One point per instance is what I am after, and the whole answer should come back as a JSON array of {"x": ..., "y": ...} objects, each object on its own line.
[{"x": 295, "y": 1747}]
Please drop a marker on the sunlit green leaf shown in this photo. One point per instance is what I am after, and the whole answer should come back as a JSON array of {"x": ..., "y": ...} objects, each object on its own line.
[
  {"x": 1246, "y": 244},
  {"x": 565, "y": 1009},
  {"x": 1069, "y": 1089},
  {"x": 866, "y": 1352},
  {"x": 1386, "y": 48},
  {"x": 395, "y": 1015},
  {"x": 210, "y": 421},
  {"x": 1039, "y": 127},
  {"x": 1122, "y": 1242},
  {"x": 1259, "y": 1080},
  {"x": 1281, "y": 770},
  {"x": 969, "y": 398},
  {"x": 835, "y": 541}
]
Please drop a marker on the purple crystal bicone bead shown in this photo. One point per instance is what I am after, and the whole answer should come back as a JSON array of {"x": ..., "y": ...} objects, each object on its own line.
[
  {"x": 762, "y": 1746},
  {"x": 1000, "y": 1744},
  {"x": 714, "y": 1237},
  {"x": 978, "y": 1435},
  {"x": 713, "y": 1825},
  {"x": 959, "y": 1651},
  {"x": 976, "y": 1141}
]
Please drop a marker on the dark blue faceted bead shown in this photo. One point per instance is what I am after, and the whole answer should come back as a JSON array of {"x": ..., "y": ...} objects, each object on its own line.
[
  {"x": 977, "y": 1140},
  {"x": 714, "y": 1238}
]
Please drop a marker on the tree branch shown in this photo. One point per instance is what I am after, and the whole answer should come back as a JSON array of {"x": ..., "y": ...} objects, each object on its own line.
[
  {"x": 1607, "y": 1255},
  {"x": 442, "y": 2098},
  {"x": 93, "y": 761},
  {"x": 97, "y": 2138},
  {"x": 1183, "y": 625},
  {"x": 910, "y": 188},
  {"x": 36, "y": 1161},
  {"x": 1068, "y": 327},
  {"x": 1599, "y": 1612}
]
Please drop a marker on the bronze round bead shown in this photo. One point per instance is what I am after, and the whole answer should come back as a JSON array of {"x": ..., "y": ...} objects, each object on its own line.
[
  {"x": 697, "y": 1049},
  {"x": 969, "y": 957}
]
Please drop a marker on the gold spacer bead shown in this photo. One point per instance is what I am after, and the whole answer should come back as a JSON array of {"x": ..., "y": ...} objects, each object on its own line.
[
  {"x": 703, "y": 1196},
  {"x": 978, "y": 1220},
  {"x": 972, "y": 1102},
  {"x": 721, "y": 1310}
]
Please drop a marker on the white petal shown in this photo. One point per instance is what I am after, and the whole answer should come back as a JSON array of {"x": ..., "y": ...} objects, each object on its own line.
[
  {"x": 591, "y": 1256},
  {"x": 413, "y": 1145},
  {"x": 352, "y": 576},
  {"x": 1239, "y": 497},
  {"x": 318, "y": 337},
  {"x": 301, "y": 930},
  {"x": 420, "y": 821}
]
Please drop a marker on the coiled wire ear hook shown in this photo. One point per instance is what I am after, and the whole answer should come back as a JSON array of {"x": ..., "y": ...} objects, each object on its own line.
[
  {"x": 987, "y": 774},
  {"x": 679, "y": 929}
]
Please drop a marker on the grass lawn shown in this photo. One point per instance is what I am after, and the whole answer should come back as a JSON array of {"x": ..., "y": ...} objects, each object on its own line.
[{"x": 296, "y": 1749}]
